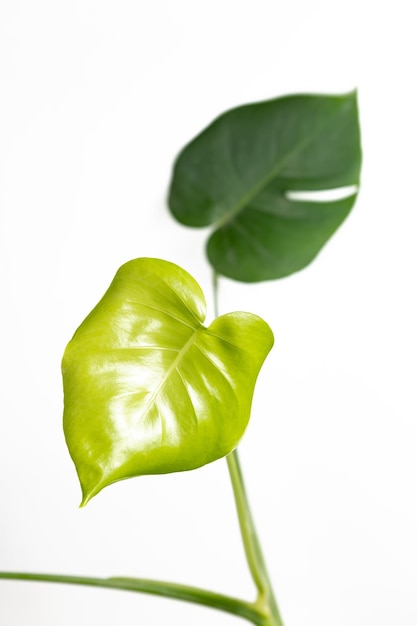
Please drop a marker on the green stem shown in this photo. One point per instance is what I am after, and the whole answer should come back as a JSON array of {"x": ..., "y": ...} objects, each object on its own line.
[
  {"x": 266, "y": 600},
  {"x": 247, "y": 528},
  {"x": 246, "y": 610}
]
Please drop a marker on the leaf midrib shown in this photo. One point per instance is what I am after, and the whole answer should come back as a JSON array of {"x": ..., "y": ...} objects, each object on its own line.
[{"x": 170, "y": 369}]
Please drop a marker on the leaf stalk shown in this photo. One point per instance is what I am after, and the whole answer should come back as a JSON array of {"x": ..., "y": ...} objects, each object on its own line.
[{"x": 235, "y": 606}]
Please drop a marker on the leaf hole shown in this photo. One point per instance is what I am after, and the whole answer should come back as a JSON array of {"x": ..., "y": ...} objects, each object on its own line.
[{"x": 322, "y": 195}]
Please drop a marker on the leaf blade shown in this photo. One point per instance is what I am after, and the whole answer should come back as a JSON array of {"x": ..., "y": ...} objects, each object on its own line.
[
  {"x": 288, "y": 144},
  {"x": 140, "y": 397}
]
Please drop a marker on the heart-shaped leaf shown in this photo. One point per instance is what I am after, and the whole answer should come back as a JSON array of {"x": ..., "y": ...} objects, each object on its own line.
[
  {"x": 237, "y": 176},
  {"x": 148, "y": 389}
]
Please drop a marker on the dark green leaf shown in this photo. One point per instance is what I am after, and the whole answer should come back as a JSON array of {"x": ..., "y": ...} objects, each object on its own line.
[{"x": 237, "y": 174}]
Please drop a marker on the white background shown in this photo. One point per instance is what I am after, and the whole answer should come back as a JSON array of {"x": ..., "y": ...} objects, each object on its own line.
[{"x": 97, "y": 97}]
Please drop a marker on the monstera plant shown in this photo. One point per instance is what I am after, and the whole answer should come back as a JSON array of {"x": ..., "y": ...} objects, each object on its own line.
[{"x": 148, "y": 388}]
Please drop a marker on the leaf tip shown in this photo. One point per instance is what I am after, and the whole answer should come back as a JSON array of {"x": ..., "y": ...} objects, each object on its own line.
[
  {"x": 85, "y": 499},
  {"x": 89, "y": 491}
]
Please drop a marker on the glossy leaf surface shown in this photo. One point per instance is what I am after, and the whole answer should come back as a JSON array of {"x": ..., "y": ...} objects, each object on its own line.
[
  {"x": 237, "y": 174},
  {"x": 148, "y": 389}
]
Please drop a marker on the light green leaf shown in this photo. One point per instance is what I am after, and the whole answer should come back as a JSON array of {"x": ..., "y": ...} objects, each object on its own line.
[
  {"x": 237, "y": 176},
  {"x": 148, "y": 389}
]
